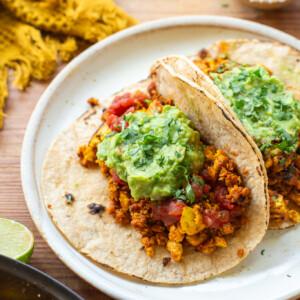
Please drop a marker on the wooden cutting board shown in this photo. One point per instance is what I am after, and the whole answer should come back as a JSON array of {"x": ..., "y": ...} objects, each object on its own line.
[{"x": 20, "y": 106}]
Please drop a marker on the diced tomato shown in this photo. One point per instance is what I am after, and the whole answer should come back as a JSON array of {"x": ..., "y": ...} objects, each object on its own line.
[
  {"x": 168, "y": 212},
  {"x": 114, "y": 122},
  {"x": 223, "y": 216},
  {"x": 206, "y": 188},
  {"x": 220, "y": 193},
  {"x": 198, "y": 190},
  {"x": 130, "y": 110},
  {"x": 121, "y": 104},
  {"x": 205, "y": 175},
  {"x": 175, "y": 208},
  {"x": 215, "y": 219},
  {"x": 220, "y": 197},
  {"x": 116, "y": 178},
  {"x": 121, "y": 97},
  {"x": 227, "y": 204},
  {"x": 209, "y": 219}
]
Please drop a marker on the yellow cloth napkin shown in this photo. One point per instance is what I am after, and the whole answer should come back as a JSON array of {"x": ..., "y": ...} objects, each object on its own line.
[{"x": 34, "y": 34}]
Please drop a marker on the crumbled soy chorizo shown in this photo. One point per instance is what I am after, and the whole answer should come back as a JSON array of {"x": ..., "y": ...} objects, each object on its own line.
[
  {"x": 196, "y": 222},
  {"x": 175, "y": 249},
  {"x": 284, "y": 185},
  {"x": 200, "y": 220},
  {"x": 93, "y": 102}
]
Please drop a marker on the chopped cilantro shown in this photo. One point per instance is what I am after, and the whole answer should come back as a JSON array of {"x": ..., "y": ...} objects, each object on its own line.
[
  {"x": 190, "y": 195},
  {"x": 282, "y": 161},
  {"x": 180, "y": 195},
  {"x": 198, "y": 180},
  {"x": 123, "y": 124},
  {"x": 268, "y": 111}
]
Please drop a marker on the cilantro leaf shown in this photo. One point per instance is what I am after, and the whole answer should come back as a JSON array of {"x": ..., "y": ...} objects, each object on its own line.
[{"x": 190, "y": 195}]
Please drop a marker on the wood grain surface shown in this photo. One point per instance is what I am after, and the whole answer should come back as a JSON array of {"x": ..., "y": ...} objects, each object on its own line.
[{"x": 20, "y": 106}]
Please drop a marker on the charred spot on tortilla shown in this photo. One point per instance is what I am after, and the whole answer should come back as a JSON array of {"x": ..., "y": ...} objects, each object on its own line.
[
  {"x": 95, "y": 208},
  {"x": 259, "y": 171},
  {"x": 69, "y": 198},
  {"x": 166, "y": 261}
]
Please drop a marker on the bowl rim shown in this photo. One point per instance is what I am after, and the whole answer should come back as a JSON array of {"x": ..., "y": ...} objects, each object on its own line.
[{"x": 29, "y": 184}]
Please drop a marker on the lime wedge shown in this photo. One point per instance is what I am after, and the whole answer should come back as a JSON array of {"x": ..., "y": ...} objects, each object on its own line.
[{"x": 16, "y": 241}]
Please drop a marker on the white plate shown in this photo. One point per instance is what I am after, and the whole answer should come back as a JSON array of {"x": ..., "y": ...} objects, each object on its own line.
[{"x": 105, "y": 68}]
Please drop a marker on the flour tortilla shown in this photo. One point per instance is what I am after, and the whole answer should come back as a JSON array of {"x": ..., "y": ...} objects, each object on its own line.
[
  {"x": 119, "y": 247},
  {"x": 282, "y": 60}
]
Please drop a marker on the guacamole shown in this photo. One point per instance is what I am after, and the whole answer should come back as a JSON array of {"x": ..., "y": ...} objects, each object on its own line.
[
  {"x": 268, "y": 111},
  {"x": 155, "y": 153}
]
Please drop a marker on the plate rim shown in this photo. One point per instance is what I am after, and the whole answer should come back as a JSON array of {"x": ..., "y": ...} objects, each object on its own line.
[{"x": 29, "y": 184}]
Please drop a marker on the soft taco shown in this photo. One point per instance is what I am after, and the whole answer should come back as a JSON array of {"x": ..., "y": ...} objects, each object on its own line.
[
  {"x": 260, "y": 82},
  {"x": 156, "y": 185}
]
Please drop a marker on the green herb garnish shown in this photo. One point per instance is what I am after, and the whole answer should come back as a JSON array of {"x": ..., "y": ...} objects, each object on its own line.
[
  {"x": 198, "y": 180},
  {"x": 268, "y": 111},
  {"x": 190, "y": 195}
]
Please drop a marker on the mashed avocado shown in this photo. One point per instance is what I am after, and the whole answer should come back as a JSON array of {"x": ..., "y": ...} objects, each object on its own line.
[
  {"x": 155, "y": 153},
  {"x": 268, "y": 111}
]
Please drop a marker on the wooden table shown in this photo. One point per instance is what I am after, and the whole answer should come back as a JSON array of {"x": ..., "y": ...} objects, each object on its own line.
[{"x": 20, "y": 106}]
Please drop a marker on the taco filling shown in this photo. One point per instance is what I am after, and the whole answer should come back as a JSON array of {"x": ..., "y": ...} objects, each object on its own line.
[
  {"x": 177, "y": 191},
  {"x": 271, "y": 115}
]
